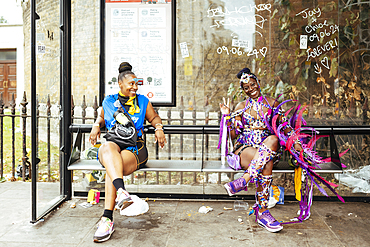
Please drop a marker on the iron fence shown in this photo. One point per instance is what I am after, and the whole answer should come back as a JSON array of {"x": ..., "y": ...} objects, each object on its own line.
[{"x": 16, "y": 147}]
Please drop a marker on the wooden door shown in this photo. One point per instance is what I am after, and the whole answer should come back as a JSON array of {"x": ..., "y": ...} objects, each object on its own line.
[{"x": 8, "y": 82}]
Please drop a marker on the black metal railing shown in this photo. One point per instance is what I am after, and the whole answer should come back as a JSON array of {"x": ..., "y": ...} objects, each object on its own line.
[{"x": 349, "y": 133}]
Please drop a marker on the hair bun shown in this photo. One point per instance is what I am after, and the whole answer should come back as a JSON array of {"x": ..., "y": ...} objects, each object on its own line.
[
  {"x": 124, "y": 66},
  {"x": 245, "y": 70}
]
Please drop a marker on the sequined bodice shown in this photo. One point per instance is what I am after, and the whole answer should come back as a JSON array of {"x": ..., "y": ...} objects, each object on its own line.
[
  {"x": 252, "y": 130},
  {"x": 252, "y": 122}
]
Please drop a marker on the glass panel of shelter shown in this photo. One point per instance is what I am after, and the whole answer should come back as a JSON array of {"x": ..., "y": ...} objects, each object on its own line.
[{"x": 47, "y": 108}]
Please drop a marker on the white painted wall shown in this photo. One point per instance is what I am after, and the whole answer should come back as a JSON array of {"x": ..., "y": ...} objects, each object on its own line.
[{"x": 11, "y": 37}]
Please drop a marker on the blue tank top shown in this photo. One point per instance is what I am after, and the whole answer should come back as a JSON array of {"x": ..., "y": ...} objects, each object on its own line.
[{"x": 111, "y": 105}]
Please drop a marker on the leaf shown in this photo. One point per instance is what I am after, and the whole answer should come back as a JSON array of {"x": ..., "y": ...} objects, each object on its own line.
[
  {"x": 334, "y": 67},
  {"x": 352, "y": 85},
  {"x": 284, "y": 26},
  {"x": 367, "y": 66},
  {"x": 285, "y": 66},
  {"x": 274, "y": 13},
  {"x": 347, "y": 73},
  {"x": 296, "y": 70},
  {"x": 286, "y": 35},
  {"x": 231, "y": 89},
  {"x": 357, "y": 94},
  {"x": 306, "y": 73},
  {"x": 283, "y": 18},
  {"x": 320, "y": 79}
]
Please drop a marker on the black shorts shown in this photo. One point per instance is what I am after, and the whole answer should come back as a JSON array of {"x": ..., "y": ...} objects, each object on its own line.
[{"x": 142, "y": 154}]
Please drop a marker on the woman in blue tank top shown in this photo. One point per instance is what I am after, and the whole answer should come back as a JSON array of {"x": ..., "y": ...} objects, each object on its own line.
[{"x": 120, "y": 161}]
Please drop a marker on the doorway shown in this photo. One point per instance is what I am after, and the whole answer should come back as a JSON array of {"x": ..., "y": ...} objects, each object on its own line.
[{"x": 8, "y": 76}]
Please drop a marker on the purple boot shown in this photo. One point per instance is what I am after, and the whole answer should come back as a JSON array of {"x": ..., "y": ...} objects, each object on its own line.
[{"x": 235, "y": 186}]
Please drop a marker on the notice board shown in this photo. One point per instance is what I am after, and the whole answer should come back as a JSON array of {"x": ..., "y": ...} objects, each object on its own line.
[{"x": 142, "y": 33}]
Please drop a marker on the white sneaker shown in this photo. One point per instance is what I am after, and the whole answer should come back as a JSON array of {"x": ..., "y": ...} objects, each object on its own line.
[
  {"x": 123, "y": 199},
  {"x": 104, "y": 231}
]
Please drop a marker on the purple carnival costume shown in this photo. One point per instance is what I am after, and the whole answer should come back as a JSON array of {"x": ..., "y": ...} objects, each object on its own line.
[{"x": 252, "y": 131}]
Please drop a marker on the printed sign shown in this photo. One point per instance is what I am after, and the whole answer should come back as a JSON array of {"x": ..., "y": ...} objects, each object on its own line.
[
  {"x": 40, "y": 49},
  {"x": 140, "y": 32},
  {"x": 184, "y": 50},
  {"x": 303, "y": 42}
]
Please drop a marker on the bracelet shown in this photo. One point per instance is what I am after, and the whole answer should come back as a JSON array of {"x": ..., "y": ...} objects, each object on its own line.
[
  {"x": 158, "y": 124},
  {"x": 97, "y": 125},
  {"x": 158, "y": 129}
]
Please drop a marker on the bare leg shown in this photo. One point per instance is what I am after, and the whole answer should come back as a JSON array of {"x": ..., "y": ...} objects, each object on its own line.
[
  {"x": 117, "y": 164},
  {"x": 261, "y": 157},
  {"x": 253, "y": 161},
  {"x": 110, "y": 194},
  {"x": 110, "y": 158}
]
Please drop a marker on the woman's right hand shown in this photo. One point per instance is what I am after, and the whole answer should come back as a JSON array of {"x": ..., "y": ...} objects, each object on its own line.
[
  {"x": 225, "y": 108},
  {"x": 94, "y": 135}
]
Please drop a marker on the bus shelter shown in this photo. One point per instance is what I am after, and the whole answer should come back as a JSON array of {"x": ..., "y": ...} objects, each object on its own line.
[{"x": 187, "y": 54}]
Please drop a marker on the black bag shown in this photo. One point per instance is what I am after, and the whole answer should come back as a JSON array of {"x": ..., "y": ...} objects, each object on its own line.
[{"x": 123, "y": 133}]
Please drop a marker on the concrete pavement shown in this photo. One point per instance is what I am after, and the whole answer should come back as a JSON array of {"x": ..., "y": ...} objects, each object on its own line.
[{"x": 178, "y": 223}]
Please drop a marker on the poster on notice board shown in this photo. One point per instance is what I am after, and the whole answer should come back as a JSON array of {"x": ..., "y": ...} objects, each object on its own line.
[{"x": 140, "y": 32}]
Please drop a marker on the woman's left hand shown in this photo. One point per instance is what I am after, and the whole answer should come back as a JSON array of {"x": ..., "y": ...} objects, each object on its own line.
[{"x": 160, "y": 138}]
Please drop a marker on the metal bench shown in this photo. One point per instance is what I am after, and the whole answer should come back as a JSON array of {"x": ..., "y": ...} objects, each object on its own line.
[{"x": 210, "y": 166}]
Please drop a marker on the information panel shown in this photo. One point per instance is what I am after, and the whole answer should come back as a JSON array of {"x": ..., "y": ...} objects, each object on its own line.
[{"x": 140, "y": 32}]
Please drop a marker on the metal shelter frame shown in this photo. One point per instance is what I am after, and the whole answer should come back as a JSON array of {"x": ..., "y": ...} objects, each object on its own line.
[
  {"x": 65, "y": 101},
  {"x": 66, "y": 98}
]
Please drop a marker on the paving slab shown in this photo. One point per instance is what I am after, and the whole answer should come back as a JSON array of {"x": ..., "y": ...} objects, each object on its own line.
[{"x": 178, "y": 223}]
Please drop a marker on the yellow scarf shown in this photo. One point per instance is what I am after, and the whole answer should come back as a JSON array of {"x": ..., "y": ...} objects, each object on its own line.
[{"x": 133, "y": 107}]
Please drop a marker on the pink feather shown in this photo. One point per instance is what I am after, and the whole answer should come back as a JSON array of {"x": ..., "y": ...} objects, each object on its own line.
[
  {"x": 286, "y": 114},
  {"x": 314, "y": 139},
  {"x": 274, "y": 124},
  {"x": 299, "y": 119}
]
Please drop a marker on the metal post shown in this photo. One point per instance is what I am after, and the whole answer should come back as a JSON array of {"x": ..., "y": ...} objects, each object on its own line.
[
  {"x": 12, "y": 109},
  {"x": 194, "y": 115},
  {"x": 48, "y": 114},
  {"x": 65, "y": 97},
  {"x": 83, "y": 107},
  {"x": 37, "y": 133},
  {"x": 34, "y": 17},
  {"x": 102, "y": 52},
  {"x": 24, "y": 138}
]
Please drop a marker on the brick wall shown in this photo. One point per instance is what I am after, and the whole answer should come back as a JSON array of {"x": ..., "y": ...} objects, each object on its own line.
[{"x": 85, "y": 49}]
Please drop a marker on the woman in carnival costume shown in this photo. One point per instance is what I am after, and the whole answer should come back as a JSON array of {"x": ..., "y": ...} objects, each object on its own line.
[{"x": 262, "y": 130}]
